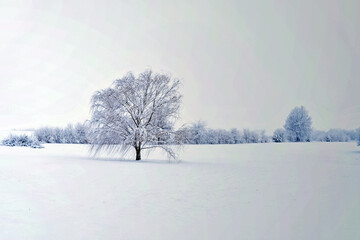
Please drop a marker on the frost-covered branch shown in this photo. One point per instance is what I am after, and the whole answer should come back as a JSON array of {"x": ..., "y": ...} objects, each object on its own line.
[{"x": 136, "y": 111}]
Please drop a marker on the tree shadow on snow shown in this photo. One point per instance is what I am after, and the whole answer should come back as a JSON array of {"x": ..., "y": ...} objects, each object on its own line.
[{"x": 123, "y": 160}]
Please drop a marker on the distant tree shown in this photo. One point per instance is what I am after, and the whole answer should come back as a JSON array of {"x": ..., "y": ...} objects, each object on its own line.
[
  {"x": 80, "y": 132},
  {"x": 358, "y": 136},
  {"x": 254, "y": 137},
  {"x": 135, "y": 112},
  {"x": 279, "y": 135},
  {"x": 235, "y": 135},
  {"x": 337, "y": 135},
  {"x": 43, "y": 135},
  {"x": 225, "y": 137},
  {"x": 212, "y": 136},
  {"x": 298, "y": 125},
  {"x": 246, "y": 136},
  {"x": 263, "y": 137},
  {"x": 351, "y": 134},
  {"x": 334, "y": 135},
  {"x": 317, "y": 135},
  {"x": 70, "y": 134},
  {"x": 198, "y": 133}
]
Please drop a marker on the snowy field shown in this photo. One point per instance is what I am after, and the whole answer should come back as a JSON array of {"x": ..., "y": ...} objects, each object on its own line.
[{"x": 254, "y": 191}]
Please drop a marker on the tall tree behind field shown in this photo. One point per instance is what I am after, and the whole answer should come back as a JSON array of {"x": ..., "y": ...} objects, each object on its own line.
[{"x": 298, "y": 125}]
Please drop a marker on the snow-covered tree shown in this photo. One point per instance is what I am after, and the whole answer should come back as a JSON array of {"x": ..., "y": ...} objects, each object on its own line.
[
  {"x": 279, "y": 135},
  {"x": 225, "y": 137},
  {"x": 136, "y": 111},
  {"x": 263, "y": 137},
  {"x": 246, "y": 136},
  {"x": 235, "y": 135},
  {"x": 80, "y": 132},
  {"x": 197, "y": 133},
  {"x": 71, "y": 134},
  {"x": 254, "y": 137},
  {"x": 298, "y": 125}
]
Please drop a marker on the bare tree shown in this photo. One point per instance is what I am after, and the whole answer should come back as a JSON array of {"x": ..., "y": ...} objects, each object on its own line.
[{"x": 136, "y": 111}]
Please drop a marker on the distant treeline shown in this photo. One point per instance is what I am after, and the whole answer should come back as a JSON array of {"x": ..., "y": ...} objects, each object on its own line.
[
  {"x": 198, "y": 133},
  {"x": 336, "y": 135},
  {"x": 75, "y": 134},
  {"x": 332, "y": 135}
]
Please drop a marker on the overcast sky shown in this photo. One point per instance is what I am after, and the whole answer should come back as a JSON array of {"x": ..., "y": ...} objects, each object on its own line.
[{"x": 243, "y": 64}]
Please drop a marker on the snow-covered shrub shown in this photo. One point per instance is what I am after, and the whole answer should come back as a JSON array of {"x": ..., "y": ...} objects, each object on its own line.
[
  {"x": 279, "y": 135},
  {"x": 298, "y": 125},
  {"x": 358, "y": 136},
  {"x": 21, "y": 140}
]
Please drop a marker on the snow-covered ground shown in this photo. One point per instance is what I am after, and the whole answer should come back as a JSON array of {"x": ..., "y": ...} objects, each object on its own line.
[{"x": 253, "y": 191}]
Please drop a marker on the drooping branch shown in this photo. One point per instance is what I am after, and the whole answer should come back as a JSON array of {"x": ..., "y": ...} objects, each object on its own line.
[{"x": 136, "y": 111}]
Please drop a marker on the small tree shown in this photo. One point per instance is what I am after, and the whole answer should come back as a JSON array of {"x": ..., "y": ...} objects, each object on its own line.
[
  {"x": 235, "y": 135},
  {"x": 246, "y": 136},
  {"x": 263, "y": 137},
  {"x": 298, "y": 125},
  {"x": 279, "y": 135},
  {"x": 198, "y": 133},
  {"x": 136, "y": 111}
]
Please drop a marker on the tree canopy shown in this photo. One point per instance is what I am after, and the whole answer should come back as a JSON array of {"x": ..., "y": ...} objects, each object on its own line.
[
  {"x": 298, "y": 125},
  {"x": 136, "y": 111}
]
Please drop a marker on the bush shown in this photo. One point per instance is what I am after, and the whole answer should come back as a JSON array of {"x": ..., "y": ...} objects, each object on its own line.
[
  {"x": 22, "y": 141},
  {"x": 279, "y": 135}
]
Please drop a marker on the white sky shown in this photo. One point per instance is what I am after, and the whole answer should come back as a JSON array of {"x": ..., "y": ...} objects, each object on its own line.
[{"x": 243, "y": 64}]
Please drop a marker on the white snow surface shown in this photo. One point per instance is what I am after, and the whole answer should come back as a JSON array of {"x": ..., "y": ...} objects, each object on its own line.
[{"x": 251, "y": 191}]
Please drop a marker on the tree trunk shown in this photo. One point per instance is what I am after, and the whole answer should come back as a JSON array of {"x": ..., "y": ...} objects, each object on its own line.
[{"x": 138, "y": 154}]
